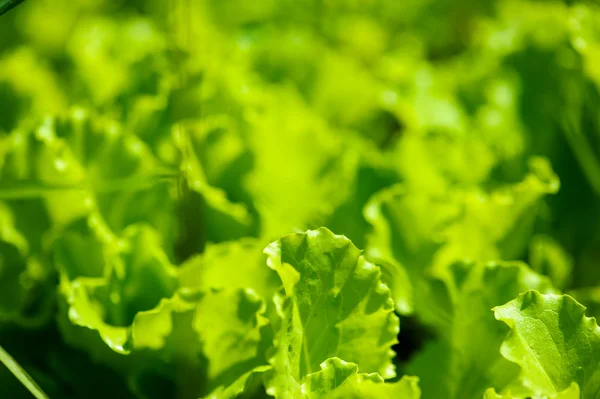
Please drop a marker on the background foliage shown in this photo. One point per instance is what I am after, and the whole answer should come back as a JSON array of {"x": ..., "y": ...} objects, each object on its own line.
[{"x": 162, "y": 161}]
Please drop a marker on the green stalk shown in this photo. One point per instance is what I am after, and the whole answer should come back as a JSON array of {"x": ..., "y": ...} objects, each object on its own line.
[
  {"x": 7, "y": 5},
  {"x": 25, "y": 379}
]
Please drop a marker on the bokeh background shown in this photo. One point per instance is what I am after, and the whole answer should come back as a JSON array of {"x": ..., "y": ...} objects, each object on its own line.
[{"x": 429, "y": 132}]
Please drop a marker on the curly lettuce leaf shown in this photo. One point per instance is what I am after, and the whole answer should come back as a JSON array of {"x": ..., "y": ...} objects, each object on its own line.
[
  {"x": 108, "y": 297},
  {"x": 553, "y": 342},
  {"x": 572, "y": 392},
  {"x": 213, "y": 269},
  {"x": 373, "y": 173},
  {"x": 223, "y": 154},
  {"x": 340, "y": 379},
  {"x": 232, "y": 328},
  {"x": 424, "y": 233},
  {"x": 467, "y": 360},
  {"x": 435, "y": 162},
  {"x": 132, "y": 300},
  {"x": 247, "y": 383},
  {"x": 71, "y": 158},
  {"x": 207, "y": 212},
  {"x": 224, "y": 333},
  {"x": 334, "y": 306}
]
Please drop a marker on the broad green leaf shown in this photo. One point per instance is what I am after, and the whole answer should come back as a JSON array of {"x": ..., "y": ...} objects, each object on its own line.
[
  {"x": 246, "y": 383},
  {"x": 230, "y": 266},
  {"x": 131, "y": 303},
  {"x": 403, "y": 292},
  {"x": 223, "y": 154},
  {"x": 426, "y": 233},
  {"x": 340, "y": 379},
  {"x": 209, "y": 215},
  {"x": 301, "y": 169},
  {"x": 407, "y": 231},
  {"x": 86, "y": 248},
  {"x": 72, "y": 158},
  {"x": 420, "y": 229},
  {"x": 491, "y": 393},
  {"x": 82, "y": 309},
  {"x": 137, "y": 187},
  {"x": 229, "y": 325},
  {"x": 498, "y": 224},
  {"x": 135, "y": 275},
  {"x": 215, "y": 127},
  {"x": 335, "y": 306},
  {"x": 147, "y": 273},
  {"x": 408, "y": 227},
  {"x": 553, "y": 342},
  {"x": 468, "y": 359},
  {"x": 373, "y": 174},
  {"x": 152, "y": 328},
  {"x": 432, "y": 163},
  {"x": 572, "y": 392},
  {"x": 227, "y": 328}
]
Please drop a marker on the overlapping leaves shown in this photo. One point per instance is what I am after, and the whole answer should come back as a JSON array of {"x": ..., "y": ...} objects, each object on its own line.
[{"x": 421, "y": 132}]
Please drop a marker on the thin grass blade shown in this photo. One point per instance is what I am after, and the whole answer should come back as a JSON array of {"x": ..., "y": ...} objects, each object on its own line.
[
  {"x": 7, "y": 5},
  {"x": 18, "y": 371}
]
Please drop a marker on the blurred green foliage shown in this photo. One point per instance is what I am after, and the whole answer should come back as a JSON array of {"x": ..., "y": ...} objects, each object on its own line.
[{"x": 150, "y": 150}]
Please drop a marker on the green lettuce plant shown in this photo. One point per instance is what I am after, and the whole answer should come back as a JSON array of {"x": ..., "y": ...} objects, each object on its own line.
[{"x": 308, "y": 199}]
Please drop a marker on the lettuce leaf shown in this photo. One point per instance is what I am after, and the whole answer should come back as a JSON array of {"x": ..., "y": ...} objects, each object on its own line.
[
  {"x": 340, "y": 379},
  {"x": 334, "y": 306},
  {"x": 553, "y": 342},
  {"x": 467, "y": 359}
]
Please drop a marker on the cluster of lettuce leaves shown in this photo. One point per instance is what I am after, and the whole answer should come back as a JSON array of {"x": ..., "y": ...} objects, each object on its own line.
[{"x": 301, "y": 199}]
